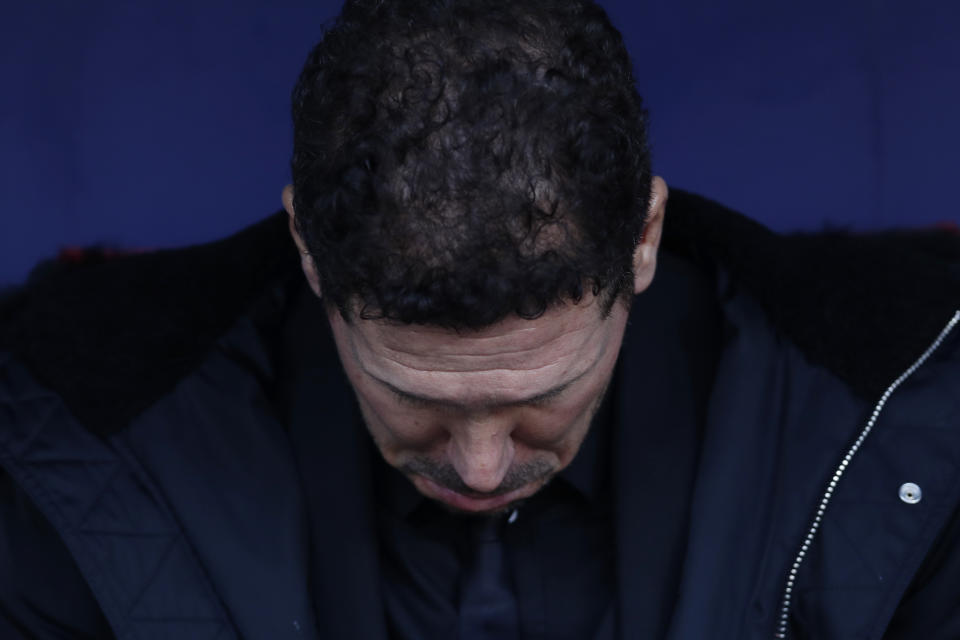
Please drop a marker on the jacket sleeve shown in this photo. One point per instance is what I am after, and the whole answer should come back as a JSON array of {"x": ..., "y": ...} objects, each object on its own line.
[{"x": 42, "y": 593}]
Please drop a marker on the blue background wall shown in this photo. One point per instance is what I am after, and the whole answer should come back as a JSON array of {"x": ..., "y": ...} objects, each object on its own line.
[{"x": 156, "y": 123}]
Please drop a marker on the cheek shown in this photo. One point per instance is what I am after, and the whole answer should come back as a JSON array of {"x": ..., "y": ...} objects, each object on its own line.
[
  {"x": 561, "y": 428},
  {"x": 553, "y": 427},
  {"x": 398, "y": 427},
  {"x": 394, "y": 426}
]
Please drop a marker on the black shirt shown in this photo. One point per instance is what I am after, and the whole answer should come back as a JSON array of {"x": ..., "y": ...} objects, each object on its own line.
[{"x": 559, "y": 548}]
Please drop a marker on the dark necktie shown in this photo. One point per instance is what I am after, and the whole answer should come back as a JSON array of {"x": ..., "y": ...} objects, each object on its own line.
[{"x": 488, "y": 607}]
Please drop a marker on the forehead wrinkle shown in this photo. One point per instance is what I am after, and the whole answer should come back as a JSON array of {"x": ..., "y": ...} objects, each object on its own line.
[
  {"x": 406, "y": 338},
  {"x": 500, "y": 386},
  {"x": 428, "y": 377},
  {"x": 420, "y": 367},
  {"x": 553, "y": 353},
  {"x": 491, "y": 397},
  {"x": 491, "y": 354},
  {"x": 516, "y": 361},
  {"x": 435, "y": 358}
]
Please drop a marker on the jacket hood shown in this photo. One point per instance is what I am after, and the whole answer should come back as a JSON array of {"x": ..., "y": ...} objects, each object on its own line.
[{"x": 113, "y": 337}]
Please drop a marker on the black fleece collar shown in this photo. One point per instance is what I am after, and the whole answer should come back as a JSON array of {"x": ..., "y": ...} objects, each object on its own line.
[
  {"x": 113, "y": 337},
  {"x": 864, "y": 306}
]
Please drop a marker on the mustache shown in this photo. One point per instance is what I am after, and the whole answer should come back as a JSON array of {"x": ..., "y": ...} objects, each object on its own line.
[{"x": 447, "y": 477}]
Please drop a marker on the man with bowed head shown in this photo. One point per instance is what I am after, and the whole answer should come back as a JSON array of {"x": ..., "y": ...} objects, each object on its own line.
[{"x": 485, "y": 377}]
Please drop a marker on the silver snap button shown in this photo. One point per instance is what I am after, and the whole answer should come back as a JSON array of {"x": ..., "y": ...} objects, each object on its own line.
[{"x": 910, "y": 493}]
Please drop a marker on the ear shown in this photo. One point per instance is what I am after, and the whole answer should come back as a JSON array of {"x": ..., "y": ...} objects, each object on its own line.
[
  {"x": 645, "y": 255},
  {"x": 306, "y": 260}
]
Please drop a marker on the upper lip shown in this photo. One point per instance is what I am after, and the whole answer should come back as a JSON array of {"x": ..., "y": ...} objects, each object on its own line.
[{"x": 472, "y": 495}]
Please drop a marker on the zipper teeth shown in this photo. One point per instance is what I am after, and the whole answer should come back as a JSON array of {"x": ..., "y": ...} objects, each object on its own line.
[{"x": 815, "y": 525}]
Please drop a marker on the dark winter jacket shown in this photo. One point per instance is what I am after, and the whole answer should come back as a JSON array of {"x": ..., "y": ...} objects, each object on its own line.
[{"x": 137, "y": 413}]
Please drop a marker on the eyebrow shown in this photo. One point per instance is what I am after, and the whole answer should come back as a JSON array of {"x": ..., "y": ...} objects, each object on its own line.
[{"x": 439, "y": 402}]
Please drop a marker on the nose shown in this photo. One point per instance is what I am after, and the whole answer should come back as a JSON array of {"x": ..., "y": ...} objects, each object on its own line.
[{"x": 482, "y": 452}]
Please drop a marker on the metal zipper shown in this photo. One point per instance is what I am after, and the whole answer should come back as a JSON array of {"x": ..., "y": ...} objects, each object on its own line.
[{"x": 815, "y": 525}]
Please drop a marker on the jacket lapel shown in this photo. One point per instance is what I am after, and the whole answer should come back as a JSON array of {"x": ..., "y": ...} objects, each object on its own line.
[
  {"x": 334, "y": 469},
  {"x": 666, "y": 371},
  {"x": 215, "y": 451}
]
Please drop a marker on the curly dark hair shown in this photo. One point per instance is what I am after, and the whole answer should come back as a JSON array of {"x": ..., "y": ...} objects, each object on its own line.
[{"x": 459, "y": 161}]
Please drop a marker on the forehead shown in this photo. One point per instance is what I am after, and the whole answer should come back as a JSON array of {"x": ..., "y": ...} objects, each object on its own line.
[{"x": 511, "y": 359}]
